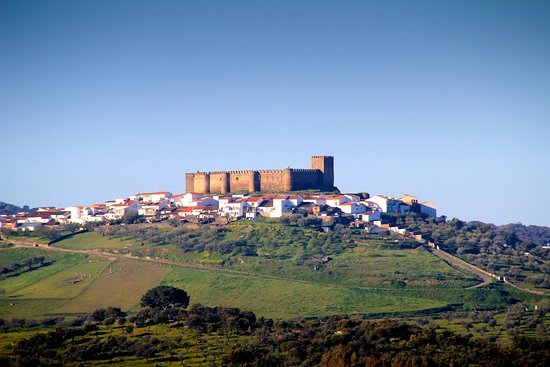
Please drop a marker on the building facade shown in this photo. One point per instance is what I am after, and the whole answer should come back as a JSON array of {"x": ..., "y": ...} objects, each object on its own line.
[{"x": 320, "y": 176}]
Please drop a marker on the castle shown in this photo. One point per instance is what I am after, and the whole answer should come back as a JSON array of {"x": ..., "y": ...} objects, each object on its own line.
[{"x": 320, "y": 176}]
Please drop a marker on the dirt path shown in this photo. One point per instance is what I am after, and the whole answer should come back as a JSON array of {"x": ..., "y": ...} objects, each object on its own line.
[
  {"x": 461, "y": 264},
  {"x": 114, "y": 256},
  {"x": 485, "y": 275}
]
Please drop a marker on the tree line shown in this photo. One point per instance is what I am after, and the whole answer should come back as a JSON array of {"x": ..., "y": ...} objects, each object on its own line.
[
  {"x": 325, "y": 342},
  {"x": 515, "y": 251},
  {"x": 17, "y": 267}
]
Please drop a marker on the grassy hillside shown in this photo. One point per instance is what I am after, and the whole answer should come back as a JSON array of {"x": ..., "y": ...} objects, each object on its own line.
[
  {"x": 284, "y": 298},
  {"x": 282, "y": 277}
]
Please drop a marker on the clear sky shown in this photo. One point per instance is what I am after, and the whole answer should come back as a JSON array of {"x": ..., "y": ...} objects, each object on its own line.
[{"x": 448, "y": 100}]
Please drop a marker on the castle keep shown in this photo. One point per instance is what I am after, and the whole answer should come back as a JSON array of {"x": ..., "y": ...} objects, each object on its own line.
[{"x": 320, "y": 176}]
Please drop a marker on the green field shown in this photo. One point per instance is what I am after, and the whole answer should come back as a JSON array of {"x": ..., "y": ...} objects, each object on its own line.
[
  {"x": 282, "y": 298},
  {"x": 366, "y": 266},
  {"x": 67, "y": 283},
  {"x": 56, "y": 261},
  {"x": 32, "y": 308},
  {"x": 93, "y": 241}
]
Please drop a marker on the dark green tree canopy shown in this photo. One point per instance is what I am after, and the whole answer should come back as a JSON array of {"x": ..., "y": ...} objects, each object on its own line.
[{"x": 165, "y": 296}]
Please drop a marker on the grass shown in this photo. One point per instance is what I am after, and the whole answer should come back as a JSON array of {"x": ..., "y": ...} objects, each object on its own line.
[
  {"x": 58, "y": 261},
  {"x": 120, "y": 284},
  {"x": 365, "y": 267},
  {"x": 27, "y": 238},
  {"x": 28, "y": 308},
  {"x": 93, "y": 241},
  {"x": 62, "y": 285},
  {"x": 283, "y": 298},
  {"x": 377, "y": 276}
]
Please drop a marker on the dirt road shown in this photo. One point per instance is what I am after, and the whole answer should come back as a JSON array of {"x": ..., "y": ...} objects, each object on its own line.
[
  {"x": 461, "y": 264},
  {"x": 485, "y": 275}
]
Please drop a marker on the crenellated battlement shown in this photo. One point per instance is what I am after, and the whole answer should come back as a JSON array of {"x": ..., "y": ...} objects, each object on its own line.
[
  {"x": 243, "y": 172},
  {"x": 319, "y": 176},
  {"x": 308, "y": 170},
  {"x": 282, "y": 170}
]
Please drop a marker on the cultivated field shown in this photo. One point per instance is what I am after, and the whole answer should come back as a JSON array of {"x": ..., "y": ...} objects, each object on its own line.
[{"x": 121, "y": 284}]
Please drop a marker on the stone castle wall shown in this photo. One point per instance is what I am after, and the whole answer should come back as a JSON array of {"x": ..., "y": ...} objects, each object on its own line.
[
  {"x": 303, "y": 179},
  {"x": 320, "y": 176},
  {"x": 275, "y": 180}
]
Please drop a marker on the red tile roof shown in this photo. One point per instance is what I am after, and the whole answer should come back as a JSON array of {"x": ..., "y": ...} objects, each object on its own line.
[{"x": 254, "y": 199}]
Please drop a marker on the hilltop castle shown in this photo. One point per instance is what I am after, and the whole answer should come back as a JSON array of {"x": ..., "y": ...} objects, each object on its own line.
[{"x": 320, "y": 176}]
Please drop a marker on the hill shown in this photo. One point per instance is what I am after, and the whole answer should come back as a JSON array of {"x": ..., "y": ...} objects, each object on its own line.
[
  {"x": 277, "y": 269},
  {"x": 11, "y": 209},
  {"x": 516, "y": 252},
  {"x": 303, "y": 289}
]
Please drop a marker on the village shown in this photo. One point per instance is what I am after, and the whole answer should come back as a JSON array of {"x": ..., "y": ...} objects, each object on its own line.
[{"x": 358, "y": 210}]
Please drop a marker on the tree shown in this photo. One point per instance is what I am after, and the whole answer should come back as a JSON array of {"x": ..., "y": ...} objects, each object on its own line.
[
  {"x": 131, "y": 217},
  {"x": 165, "y": 296}
]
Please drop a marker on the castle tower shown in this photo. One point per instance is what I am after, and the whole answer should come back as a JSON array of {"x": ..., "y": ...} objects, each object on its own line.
[
  {"x": 287, "y": 180},
  {"x": 189, "y": 182},
  {"x": 253, "y": 181},
  {"x": 202, "y": 183},
  {"x": 224, "y": 184},
  {"x": 325, "y": 164}
]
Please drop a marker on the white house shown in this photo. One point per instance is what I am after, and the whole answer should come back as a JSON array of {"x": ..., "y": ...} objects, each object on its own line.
[
  {"x": 75, "y": 214},
  {"x": 38, "y": 217},
  {"x": 233, "y": 209},
  {"x": 315, "y": 199},
  {"x": 189, "y": 198},
  {"x": 151, "y": 209},
  {"x": 387, "y": 204},
  {"x": 176, "y": 199},
  {"x": 190, "y": 211},
  {"x": 61, "y": 216},
  {"x": 351, "y": 207},
  {"x": 266, "y": 207},
  {"x": 153, "y": 197},
  {"x": 382, "y": 202},
  {"x": 281, "y": 204},
  {"x": 336, "y": 200},
  {"x": 353, "y": 198},
  {"x": 295, "y": 199},
  {"x": 207, "y": 201},
  {"x": 370, "y": 216},
  {"x": 254, "y": 201},
  {"x": 117, "y": 211}
]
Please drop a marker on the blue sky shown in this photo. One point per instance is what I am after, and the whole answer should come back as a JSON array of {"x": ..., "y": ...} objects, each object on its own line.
[{"x": 448, "y": 100}]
